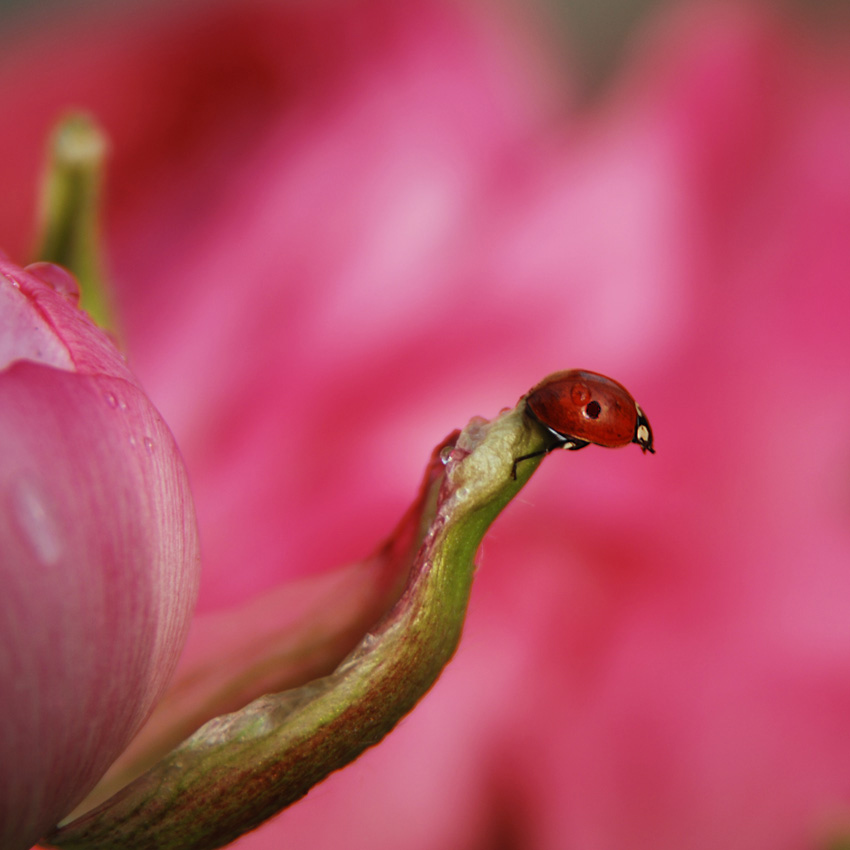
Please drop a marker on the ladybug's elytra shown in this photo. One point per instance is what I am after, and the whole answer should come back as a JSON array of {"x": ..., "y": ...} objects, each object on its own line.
[{"x": 578, "y": 408}]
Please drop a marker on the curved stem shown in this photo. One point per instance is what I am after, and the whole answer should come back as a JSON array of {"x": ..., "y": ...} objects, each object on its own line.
[{"x": 242, "y": 768}]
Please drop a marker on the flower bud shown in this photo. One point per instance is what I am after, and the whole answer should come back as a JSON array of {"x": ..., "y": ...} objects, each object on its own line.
[{"x": 98, "y": 552}]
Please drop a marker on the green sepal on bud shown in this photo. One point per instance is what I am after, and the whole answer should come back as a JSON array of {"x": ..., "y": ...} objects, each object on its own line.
[{"x": 242, "y": 768}]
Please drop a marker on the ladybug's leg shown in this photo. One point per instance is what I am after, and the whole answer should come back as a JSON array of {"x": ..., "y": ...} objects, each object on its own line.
[
  {"x": 526, "y": 457},
  {"x": 571, "y": 444}
]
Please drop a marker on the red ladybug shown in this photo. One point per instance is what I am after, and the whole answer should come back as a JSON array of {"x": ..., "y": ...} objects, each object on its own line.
[{"x": 579, "y": 408}]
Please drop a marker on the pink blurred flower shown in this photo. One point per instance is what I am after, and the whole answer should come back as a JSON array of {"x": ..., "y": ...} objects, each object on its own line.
[
  {"x": 340, "y": 229},
  {"x": 98, "y": 552}
]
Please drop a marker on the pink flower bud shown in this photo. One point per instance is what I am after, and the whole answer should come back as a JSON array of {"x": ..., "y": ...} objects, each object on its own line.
[{"x": 98, "y": 552}]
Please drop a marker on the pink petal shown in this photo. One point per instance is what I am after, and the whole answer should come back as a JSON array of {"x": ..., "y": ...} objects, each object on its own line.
[{"x": 98, "y": 555}]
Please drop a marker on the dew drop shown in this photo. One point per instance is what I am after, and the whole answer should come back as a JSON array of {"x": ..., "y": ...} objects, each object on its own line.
[
  {"x": 56, "y": 277},
  {"x": 34, "y": 522},
  {"x": 149, "y": 445},
  {"x": 368, "y": 642},
  {"x": 452, "y": 453},
  {"x": 114, "y": 401}
]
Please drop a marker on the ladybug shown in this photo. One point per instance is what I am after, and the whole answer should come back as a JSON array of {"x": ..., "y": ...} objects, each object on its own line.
[{"x": 578, "y": 408}]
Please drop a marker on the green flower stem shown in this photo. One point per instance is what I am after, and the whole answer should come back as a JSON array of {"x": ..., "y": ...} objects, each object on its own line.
[
  {"x": 70, "y": 207},
  {"x": 242, "y": 768}
]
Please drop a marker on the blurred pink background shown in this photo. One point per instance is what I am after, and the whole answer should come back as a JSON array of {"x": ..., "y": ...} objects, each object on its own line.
[{"x": 338, "y": 230}]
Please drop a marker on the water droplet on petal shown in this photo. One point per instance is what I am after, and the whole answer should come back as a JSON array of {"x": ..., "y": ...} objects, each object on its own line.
[
  {"x": 56, "y": 277},
  {"x": 34, "y": 522},
  {"x": 150, "y": 445},
  {"x": 114, "y": 400}
]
